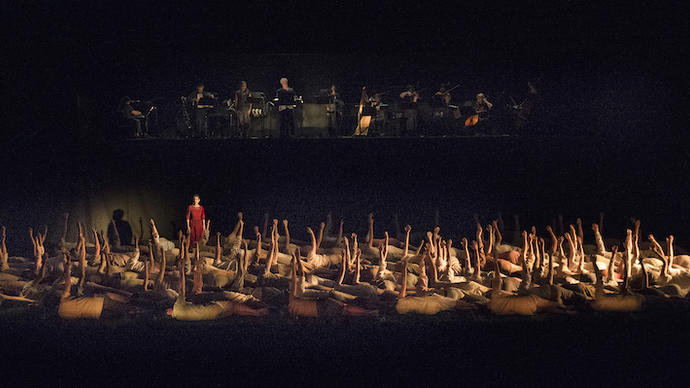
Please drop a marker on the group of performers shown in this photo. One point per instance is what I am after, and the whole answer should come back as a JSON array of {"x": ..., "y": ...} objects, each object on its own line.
[
  {"x": 373, "y": 112},
  {"x": 558, "y": 269}
]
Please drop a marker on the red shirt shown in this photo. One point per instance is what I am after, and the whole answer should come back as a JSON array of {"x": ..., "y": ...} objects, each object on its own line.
[{"x": 196, "y": 213}]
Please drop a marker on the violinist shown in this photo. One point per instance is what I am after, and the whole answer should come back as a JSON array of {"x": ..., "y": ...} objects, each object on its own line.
[{"x": 409, "y": 98}]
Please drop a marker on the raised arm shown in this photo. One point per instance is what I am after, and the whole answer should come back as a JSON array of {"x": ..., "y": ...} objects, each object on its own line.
[
  {"x": 236, "y": 229},
  {"x": 599, "y": 282},
  {"x": 370, "y": 233},
  {"x": 571, "y": 251},
  {"x": 403, "y": 279},
  {"x": 161, "y": 274},
  {"x": 198, "y": 280},
  {"x": 240, "y": 233},
  {"x": 287, "y": 234},
  {"x": 343, "y": 267},
  {"x": 154, "y": 231},
  {"x": 82, "y": 265},
  {"x": 219, "y": 249},
  {"x": 33, "y": 241},
  {"x": 489, "y": 230},
  {"x": 466, "y": 263},
  {"x": 358, "y": 265},
  {"x": 476, "y": 276},
  {"x": 669, "y": 243},
  {"x": 406, "y": 250},
  {"x": 3, "y": 252},
  {"x": 499, "y": 237},
  {"x": 293, "y": 275},
  {"x": 312, "y": 251},
  {"x": 655, "y": 245},
  {"x": 550, "y": 274},
  {"x": 554, "y": 241},
  {"x": 610, "y": 273},
  {"x": 320, "y": 239},
  {"x": 187, "y": 217},
  {"x": 598, "y": 240},
  {"x": 67, "y": 274}
]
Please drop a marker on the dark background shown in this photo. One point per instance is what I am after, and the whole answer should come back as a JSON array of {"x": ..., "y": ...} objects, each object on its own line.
[{"x": 611, "y": 68}]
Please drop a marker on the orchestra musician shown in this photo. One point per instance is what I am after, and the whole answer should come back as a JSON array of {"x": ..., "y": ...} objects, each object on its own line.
[
  {"x": 441, "y": 106},
  {"x": 367, "y": 109},
  {"x": 334, "y": 111},
  {"x": 243, "y": 107},
  {"x": 481, "y": 105},
  {"x": 286, "y": 106},
  {"x": 409, "y": 98},
  {"x": 132, "y": 118},
  {"x": 442, "y": 96},
  {"x": 200, "y": 112}
]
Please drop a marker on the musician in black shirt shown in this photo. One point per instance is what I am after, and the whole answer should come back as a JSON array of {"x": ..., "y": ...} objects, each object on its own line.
[
  {"x": 243, "y": 107},
  {"x": 409, "y": 99},
  {"x": 132, "y": 118},
  {"x": 199, "y": 112},
  {"x": 286, "y": 106},
  {"x": 334, "y": 111}
]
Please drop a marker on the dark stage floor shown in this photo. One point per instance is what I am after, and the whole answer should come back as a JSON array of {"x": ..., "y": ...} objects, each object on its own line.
[{"x": 449, "y": 349}]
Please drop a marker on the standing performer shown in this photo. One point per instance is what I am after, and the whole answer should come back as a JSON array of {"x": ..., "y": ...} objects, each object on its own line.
[
  {"x": 334, "y": 110},
  {"x": 243, "y": 107},
  {"x": 199, "y": 111},
  {"x": 196, "y": 220},
  {"x": 286, "y": 107},
  {"x": 410, "y": 97}
]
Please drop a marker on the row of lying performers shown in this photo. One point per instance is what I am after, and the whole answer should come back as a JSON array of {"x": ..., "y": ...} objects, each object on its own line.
[{"x": 333, "y": 275}]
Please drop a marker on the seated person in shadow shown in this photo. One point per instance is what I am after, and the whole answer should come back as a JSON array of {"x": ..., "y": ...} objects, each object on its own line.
[{"x": 119, "y": 231}]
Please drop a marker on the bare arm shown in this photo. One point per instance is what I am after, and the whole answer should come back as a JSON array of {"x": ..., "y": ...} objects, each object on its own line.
[
  {"x": 343, "y": 267},
  {"x": 320, "y": 239},
  {"x": 408, "y": 228},
  {"x": 499, "y": 237},
  {"x": 370, "y": 234},
  {"x": 403, "y": 280},
  {"x": 669, "y": 242},
  {"x": 236, "y": 229},
  {"x": 312, "y": 252},
  {"x": 489, "y": 230},
  {"x": 287, "y": 234},
  {"x": 358, "y": 266},
  {"x": 611, "y": 269},
  {"x": 655, "y": 245},
  {"x": 599, "y": 241},
  {"x": 554, "y": 241},
  {"x": 67, "y": 275}
]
